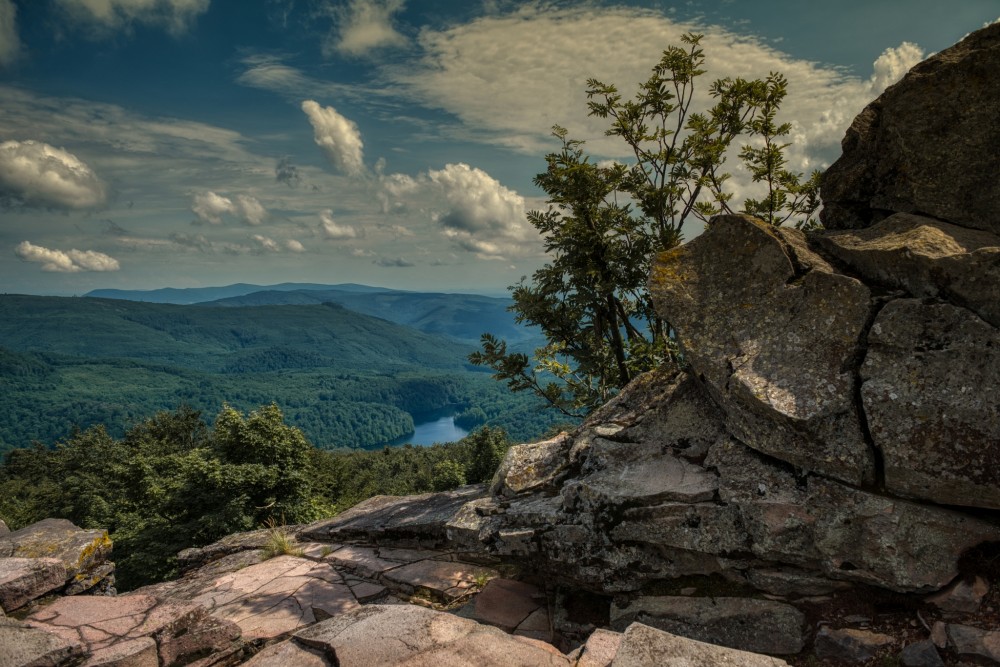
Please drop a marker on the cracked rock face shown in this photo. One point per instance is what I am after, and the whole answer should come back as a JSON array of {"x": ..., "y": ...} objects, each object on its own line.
[
  {"x": 931, "y": 382},
  {"x": 773, "y": 332}
]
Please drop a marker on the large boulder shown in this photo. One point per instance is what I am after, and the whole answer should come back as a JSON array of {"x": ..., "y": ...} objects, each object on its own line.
[
  {"x": 773, "y": 332},
  {"x": 927, "y": 145}
]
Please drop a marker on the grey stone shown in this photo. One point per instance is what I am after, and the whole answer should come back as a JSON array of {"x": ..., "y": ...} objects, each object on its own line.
[
  {"x": 925, "y": 257},
  {"x": 791, "y": 582},
  {"x": 274, "y": 598},
  {"x": 927, "y": 145},
  {"x": 617, "y": 473},
  {"x": 249, "y": 541},
  {"x": 81, "y": 551},
  {"x": 963, "y": 596},
  {"x": 531, "y": 466},
  {"x": 24, "y": 579},
  {"x": 974, "y": 642},
  {"x": 643, "y": 646},
  {"x": 732, "y": 622},
  {"x": 600, "y": 649},
  {"x": 774, "y": 342},
  {"x": 3, "y": 528},
  {"x": 849, "y": 645},
  {"x": 702, "y": 527},
  {"x": 289, "y": 654},
  {"x": 921, "y": 654},
  {"x": 109, "y": 626},
  {"x": 419, "y": 637},
  {"x": 24, "y": 646},
  {"x": 419, "y": 519},
  {"x": 931, "y": 378}
]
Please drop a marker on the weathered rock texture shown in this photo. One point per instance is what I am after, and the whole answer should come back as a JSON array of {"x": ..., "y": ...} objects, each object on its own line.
[{"x": 927, "y": 145}]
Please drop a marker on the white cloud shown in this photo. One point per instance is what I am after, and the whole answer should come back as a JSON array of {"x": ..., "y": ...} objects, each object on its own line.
[
  {"x": 174, "y": 15},
  {"x": 333, "y": 230},
  {"x": 509, "y": 77},
  {"x": 893, "y": 64},
  {"x": 210, "y": 207},
  {"x": 338, "y": 136},
  {"x": 362, "y": 26},
  {"x": 470, "y": 208},
  {"x": 265, "y": 243},
  {"x": 294, "y": 246},
  {"x": 70, "y": 261},
  {"x": 33, "y": 173},
  {"x": 10, "y": 44}
]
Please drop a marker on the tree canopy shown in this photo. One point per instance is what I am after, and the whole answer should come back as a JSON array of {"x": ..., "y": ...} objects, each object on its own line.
[{"x": 606, "y": 221}]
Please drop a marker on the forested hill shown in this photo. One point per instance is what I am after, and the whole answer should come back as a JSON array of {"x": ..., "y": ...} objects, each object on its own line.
[
  {"x": 345, "y": 378},
  {"x": 463, "y": 317},
  {"x": 220, "y": 339}
]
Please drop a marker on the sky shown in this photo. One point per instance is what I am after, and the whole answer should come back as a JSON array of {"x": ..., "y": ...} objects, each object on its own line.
[{"x": 189, "y": 143}]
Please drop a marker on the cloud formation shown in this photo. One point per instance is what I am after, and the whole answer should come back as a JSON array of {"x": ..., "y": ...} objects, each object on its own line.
[
  {"x": 393, "y": 262},
  {"x": 893, "y": 64},
  {"x": 362, "y": 26},
  {"x": 333, "y": 230},
  {"x": 265, "y": 243},
  {"x": 338, "y": 137},
  {"x": 174, "y": 15},
  {"x": 10, "y": 44},
  {"x": 209, "y": 207},
  {"x": 35, "y": 174},
  {"x": 510, "y": 76},
  {"x": 69, "y": 261}
]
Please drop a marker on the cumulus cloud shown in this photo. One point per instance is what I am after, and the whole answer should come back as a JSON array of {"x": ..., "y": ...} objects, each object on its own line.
[
  {"x": 362, "y": 26},
  {"x": 209, "y": 207},
  {"x": 331, "y": 229},
  {"x": 69, "y": 261},
  {"x": 174, "y": 15},
  {"x": 10, "y": 44},
  {"x": 294, "y": 246},
  {"x": 265, "y": 243},
  {"x": 35, "y": 174},
  {"x": 337, "y": 136},
  {"x": 893, "y": 64}
]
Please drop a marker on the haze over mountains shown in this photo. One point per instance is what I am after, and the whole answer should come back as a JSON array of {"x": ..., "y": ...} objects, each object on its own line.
[{"x": 463, "y": 317}]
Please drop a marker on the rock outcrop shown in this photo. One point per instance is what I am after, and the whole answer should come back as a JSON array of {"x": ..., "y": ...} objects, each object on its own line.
[{"x": 927, "y": 145}]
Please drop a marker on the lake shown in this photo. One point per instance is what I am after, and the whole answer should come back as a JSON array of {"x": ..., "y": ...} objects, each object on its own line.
[{"x": 441, "y": 429}]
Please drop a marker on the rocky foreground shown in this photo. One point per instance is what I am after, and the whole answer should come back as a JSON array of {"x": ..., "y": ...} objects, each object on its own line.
[{"x": 818, "y": 483}]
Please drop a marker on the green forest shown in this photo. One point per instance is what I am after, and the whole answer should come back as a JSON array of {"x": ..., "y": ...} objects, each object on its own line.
[
  {"x": 173, "y": 481},
  {"x": 347, "y": 380}
]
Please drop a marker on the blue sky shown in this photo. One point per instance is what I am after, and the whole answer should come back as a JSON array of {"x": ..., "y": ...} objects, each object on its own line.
[{"x": 151, "y": 143}]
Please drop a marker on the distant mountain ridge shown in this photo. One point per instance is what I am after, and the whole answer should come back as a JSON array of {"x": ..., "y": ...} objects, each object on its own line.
[
  {"x": 189, "y": 295},
  {"x": 462, "y": 317}
]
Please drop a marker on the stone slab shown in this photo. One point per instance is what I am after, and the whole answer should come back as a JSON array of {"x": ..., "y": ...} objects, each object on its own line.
[
  {"x": 22, "y": 645},
  {"x": 24, "y": 579},
  {"x": 274, "y": 598},
  {"x": 644, "y": 646}
]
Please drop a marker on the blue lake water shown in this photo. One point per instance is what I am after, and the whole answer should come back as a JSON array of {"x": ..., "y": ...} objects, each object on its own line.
[{"x": 442, "y": 429}]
